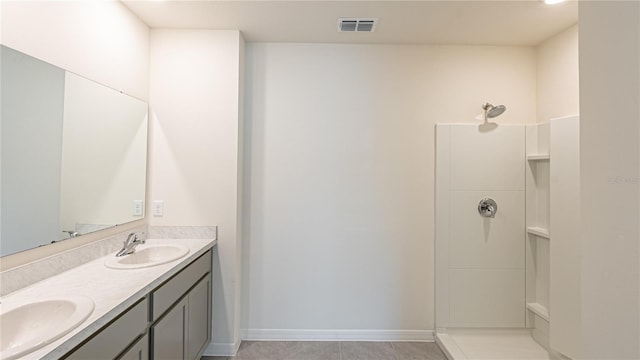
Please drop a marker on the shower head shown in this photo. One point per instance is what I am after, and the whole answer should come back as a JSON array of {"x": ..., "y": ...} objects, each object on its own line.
[{"x": 491, "y": 111}]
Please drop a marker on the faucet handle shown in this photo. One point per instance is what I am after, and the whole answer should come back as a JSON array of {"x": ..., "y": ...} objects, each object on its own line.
[
  {"x": 488, "y": 208},
  {"x": 72, "y": 233},
  {"x": 140, "y": 237},
  {"x": 130, "y": 238},
  {"x": 133, "y": 239}
]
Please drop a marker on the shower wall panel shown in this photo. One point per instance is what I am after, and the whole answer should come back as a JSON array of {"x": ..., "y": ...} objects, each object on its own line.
[{"x": 480, "y": 263}]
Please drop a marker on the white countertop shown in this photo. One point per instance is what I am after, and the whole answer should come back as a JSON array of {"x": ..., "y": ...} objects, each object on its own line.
[{"x": 112, "y": 291}]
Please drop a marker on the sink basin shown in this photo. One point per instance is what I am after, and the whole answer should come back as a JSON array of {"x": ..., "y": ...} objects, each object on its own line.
[
  {"x": 147, "y": 256},
  {"x": 28, "y": 327}
]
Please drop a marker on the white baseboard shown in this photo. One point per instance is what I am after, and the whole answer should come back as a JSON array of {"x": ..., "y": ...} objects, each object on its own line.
[
  {"x": 342, "y": 335},
  {"x": 221, "y": 349},
  {"x": 230, "y": 349}
]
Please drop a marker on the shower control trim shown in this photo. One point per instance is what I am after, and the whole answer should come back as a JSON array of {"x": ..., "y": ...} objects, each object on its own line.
[{"x": 487, "y": 208}]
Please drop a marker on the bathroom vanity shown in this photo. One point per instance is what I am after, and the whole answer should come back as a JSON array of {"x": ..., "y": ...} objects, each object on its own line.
[
  {"x": 171, "y": 322},
  {"x": 156, "y": 312}
]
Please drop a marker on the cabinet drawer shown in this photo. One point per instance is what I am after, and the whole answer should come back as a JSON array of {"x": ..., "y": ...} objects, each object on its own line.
[
  {"x": 117, "y": 336},
  {"x": 172, "y": 290}
]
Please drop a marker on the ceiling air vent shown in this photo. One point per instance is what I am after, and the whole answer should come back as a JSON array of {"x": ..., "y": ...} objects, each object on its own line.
[{"x": 357, "y": 24}]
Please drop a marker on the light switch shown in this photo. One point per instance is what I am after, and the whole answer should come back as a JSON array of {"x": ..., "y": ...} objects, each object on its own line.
[
  {"x": 138, "y": 207},
  {"x": 158, "y": 208}
]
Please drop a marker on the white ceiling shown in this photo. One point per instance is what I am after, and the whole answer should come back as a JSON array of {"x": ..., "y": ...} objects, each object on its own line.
[{"x": 524, "y": 22}]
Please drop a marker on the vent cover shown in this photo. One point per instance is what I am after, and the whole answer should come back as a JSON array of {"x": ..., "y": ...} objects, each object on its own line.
[{"x": 357, "y": 24}]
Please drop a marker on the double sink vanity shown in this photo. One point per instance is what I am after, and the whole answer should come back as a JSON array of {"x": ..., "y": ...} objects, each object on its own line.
[
  {"x": 84, "y": 171},
  {"x": 154, "y": 303}
]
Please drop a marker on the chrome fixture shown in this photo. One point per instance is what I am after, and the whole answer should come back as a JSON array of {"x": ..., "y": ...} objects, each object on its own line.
[
  {"x": 72, "y": 233},
  {"x": 488, "y": 207},
  {"x": 130, "y": 244},
  {"x": 491, "y": 111}
]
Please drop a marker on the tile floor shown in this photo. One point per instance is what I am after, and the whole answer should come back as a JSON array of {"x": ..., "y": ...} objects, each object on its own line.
[{"x": 333, "y": 350}]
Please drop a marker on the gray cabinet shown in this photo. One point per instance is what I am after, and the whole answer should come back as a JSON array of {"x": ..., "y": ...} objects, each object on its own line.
[
  {"x": 116, "y": 337},
  {"x": 172, "y": 322},
  {"x": 181, "y": 313},
  {"x": 199, "y": 319},
  {"x": 167, "y": 294},
  {"x": 169, "y": 334},
  {"x": 139, "y": 350}
]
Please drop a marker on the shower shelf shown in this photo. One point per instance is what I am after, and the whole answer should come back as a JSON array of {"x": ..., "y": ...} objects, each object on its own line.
[
  {"x": 538, "y": 157},
  {"x": 539, "y": 310},
  {"x": 538, "y": 231}
]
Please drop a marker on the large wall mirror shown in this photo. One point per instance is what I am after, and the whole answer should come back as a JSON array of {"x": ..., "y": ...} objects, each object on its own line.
[{"x": 73, "y": 154}]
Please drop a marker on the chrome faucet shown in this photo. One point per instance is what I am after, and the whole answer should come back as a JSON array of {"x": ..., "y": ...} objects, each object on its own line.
[
  {"x": 130, "y": 244},
  {"x": 72, "y": 233}
]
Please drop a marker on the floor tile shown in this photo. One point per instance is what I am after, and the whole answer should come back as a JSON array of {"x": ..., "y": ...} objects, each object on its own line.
[
  {"x": 332, "y": 350},
  {"x": 418, "y": 351},
  {"x": 313, "y": 350},
  {"x": 263, "y": 350},
  {"x": 356, "y": 350}
]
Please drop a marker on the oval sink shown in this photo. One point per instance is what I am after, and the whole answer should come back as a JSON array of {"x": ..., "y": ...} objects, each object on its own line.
[
  {"x": 27, "y": 327},
  {"x": 147, "y": 256}
]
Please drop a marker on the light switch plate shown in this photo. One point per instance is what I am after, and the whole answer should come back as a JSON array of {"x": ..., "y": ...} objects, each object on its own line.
[
  {"x": 158, "y": 208},
  {"x": 138, "y": 207}
]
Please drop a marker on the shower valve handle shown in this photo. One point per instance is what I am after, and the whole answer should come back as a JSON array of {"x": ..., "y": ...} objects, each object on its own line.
[{"x": 488, "y": 208}]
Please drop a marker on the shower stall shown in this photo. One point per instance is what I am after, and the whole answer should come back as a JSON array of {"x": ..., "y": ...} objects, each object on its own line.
[{"x": 504, "y": 288}]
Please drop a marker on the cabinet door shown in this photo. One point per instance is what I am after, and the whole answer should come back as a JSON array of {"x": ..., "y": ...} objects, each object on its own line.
[
  {"x": 199, "y": 319},
  {"x": 169, "y": 334},
  {"x": 139, "y": 351}
]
